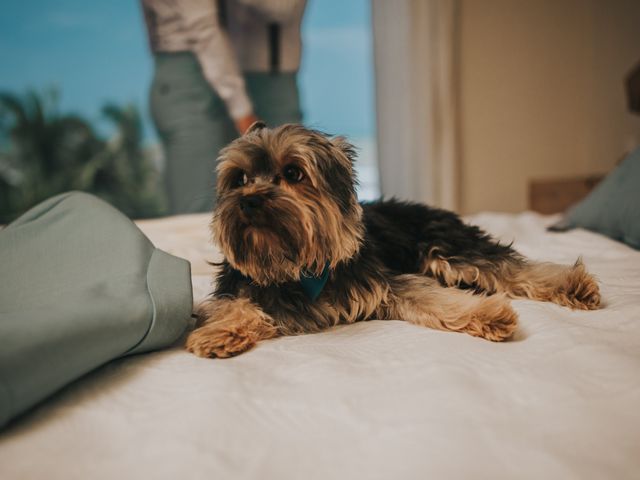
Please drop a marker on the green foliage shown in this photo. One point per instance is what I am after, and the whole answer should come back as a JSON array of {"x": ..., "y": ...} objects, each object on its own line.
[{"x": 44, "y": 152}]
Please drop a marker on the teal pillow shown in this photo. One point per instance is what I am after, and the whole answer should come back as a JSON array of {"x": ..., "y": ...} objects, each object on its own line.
[
  {"x": 613, "y": 207},
  {"x": 80, "y": 285}
]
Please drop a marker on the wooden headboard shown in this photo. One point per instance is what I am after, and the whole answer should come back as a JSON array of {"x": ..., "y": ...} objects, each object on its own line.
[{"x": 556, "y": 195}]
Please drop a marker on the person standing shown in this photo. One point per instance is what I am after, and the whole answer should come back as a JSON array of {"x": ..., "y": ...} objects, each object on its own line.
[{"x": 219, "y": 66}]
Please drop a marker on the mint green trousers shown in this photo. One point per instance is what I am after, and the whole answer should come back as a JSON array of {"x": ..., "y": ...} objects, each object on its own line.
[{"x": 194, "y": 125}]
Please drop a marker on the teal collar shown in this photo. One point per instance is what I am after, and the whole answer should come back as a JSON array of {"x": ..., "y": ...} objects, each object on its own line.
[{"x": 313, "y": 285}]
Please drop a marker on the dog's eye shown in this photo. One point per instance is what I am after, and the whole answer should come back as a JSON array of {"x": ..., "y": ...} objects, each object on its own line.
[
  {"x": 292, "y": 174},
  {"x": 242, "y": 180}
]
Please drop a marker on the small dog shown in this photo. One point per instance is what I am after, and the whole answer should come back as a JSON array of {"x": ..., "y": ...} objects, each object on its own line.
[{"x": 302, "y": 255}]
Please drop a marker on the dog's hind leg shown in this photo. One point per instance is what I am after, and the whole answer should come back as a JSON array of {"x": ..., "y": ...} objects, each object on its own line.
[
  {"x": 568, "y": 285},
  {"x": 423, "y": 301},
  {"x": 510, "y": 273}
]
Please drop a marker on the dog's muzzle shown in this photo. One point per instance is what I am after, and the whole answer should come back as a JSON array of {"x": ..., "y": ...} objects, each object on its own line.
[{"x": 250, "y": 205}]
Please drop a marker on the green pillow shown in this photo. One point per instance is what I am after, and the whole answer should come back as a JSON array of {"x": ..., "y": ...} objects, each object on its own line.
[
  {"x": 80, "y": 285},
  {"x": 613, "y": 208}
]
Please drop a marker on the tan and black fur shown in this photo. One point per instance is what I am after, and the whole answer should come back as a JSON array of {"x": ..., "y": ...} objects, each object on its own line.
[{"x": 287, "y": 205}]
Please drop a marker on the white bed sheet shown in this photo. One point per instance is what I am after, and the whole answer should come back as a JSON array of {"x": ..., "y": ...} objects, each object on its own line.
[{"x": 372, "y": 400}]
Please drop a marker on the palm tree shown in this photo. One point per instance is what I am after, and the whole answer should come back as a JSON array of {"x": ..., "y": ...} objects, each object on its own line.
[
  {"x": 137, "y": 181},
  {"x": 44, "y": 152}
]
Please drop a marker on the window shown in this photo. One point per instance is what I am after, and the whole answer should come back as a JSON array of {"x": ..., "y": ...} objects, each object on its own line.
[{"x": 337, "y": 80}]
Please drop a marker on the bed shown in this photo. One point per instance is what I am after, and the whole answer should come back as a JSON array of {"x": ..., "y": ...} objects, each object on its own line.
[{"x": 379, "y": 399}]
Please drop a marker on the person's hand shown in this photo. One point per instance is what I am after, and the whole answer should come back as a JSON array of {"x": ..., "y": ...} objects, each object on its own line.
[{"x": 243, "y": 124}]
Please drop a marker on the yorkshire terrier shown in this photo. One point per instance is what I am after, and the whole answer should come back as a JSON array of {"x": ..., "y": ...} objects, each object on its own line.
[{"x": 302, "y": 255}]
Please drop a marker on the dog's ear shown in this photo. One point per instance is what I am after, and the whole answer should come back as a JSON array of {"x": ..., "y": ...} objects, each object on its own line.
[
  {"x": 255, "y": 127},
  {"x": 348, "y": 150}
]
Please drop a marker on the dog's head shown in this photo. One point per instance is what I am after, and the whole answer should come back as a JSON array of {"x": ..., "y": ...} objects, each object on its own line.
[{"x": 286, "y": 203}]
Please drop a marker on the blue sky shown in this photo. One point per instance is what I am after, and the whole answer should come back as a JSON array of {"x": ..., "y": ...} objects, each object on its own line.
[{"x": 96, "y": 52}]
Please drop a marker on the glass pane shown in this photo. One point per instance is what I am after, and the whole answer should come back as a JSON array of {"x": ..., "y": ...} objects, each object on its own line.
[{"x": 337, "y": 79}]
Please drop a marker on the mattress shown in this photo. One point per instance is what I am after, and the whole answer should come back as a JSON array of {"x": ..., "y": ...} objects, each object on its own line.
[{"x": 378, "y": 399}]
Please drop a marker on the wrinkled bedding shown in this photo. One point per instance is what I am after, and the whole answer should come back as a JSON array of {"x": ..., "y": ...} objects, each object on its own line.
[{"x": 379, "y": 399}]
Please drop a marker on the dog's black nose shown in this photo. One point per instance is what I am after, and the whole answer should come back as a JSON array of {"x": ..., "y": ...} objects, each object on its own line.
[{"x": 250, "y": 204}]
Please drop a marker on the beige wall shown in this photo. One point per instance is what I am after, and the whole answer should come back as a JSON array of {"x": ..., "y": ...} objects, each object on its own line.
[{"x": 541, "y": 93}]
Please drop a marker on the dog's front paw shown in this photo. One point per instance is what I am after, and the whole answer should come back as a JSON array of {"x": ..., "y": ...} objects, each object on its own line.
[
  {"x": 213, "y": 341},
  {"x": 493, "y": 320},
  {"x": 231, "y": 326}
]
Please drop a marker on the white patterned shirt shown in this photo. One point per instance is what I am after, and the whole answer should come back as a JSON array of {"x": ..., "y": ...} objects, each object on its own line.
[{"x": 258, "y": 36}]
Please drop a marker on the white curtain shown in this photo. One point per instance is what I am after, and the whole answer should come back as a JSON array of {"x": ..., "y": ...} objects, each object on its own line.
[{"x": 414, "y": 50}]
